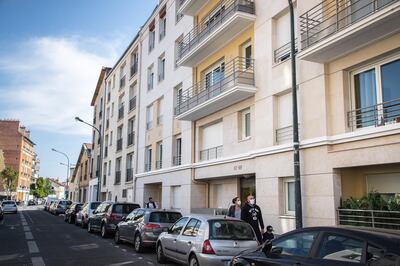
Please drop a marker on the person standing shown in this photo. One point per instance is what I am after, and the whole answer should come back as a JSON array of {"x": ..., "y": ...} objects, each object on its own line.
[
  {"x": 251, "y": 213},
  {"x": 235, "y": 210},
  {"x": 151, "y": 204}
]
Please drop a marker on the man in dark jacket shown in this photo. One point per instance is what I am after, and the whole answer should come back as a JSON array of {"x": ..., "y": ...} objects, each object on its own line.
[{"x": 251, "y": 214}]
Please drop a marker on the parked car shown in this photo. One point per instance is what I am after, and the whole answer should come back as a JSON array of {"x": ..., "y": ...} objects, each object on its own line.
[
  {"x": 1, "y": 215},
  {"x": 82, "y": 217},
  {"x": 143, "y": 226},
  {"x": 106, "y": 217},
  {"x": 9, "y": 206},
  {"x": 31, "y": 203},
  {"x": 205, "y": 240},
  {"x": 60, "y": 206},
  {"x": 70, "y": 213},
  {"x": 327, "y": 246},
  {"x": 47, "y": 205}
]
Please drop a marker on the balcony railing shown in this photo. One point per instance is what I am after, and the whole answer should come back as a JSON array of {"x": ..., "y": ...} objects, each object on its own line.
[
  {"x": 211, "y": 153},
  {"x": 121, "y": 112},
  {"x": 369, "y": 218},
  {"x": 119, "y": 144},
  {"x": 283, "y": 52},
  {"x": 129, "y": 175},
  {"x": 284, "y": 135},
  {"x": 117, "y": 177},
  {"x": 332, "y": 16},
  {"x": 238, "y": 71},
  {"x": 177, "y": 160},
  {"x": 227, "y": 9},
  {"x": 131, "y": 139},
  {"x": 375, "y": 115},
  {"x": 134, "y": 69},
  {"x": 122, "y": 82},
  {"x": 132, "y": 103},
  {"x": 159, "y": 164},
  {"x": 147, "y": 167}
]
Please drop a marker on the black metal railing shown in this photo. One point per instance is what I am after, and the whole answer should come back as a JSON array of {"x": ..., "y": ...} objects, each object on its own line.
[
  {"x": 369, "y": 218},
  {"x": 122, "y": 82},
  {"x": 121, "y": 112},
  {"x": 134, "y": 69},
  {"x": 238, "y": 71},
  {"x": 158, "y": 164},
  {"x": 132, "y": 103},
  {"x": 177, "y": 160},
  {"x": 211, "y": 153},
  {"x": 332, "y": 16},
  {"x": 118, "y": 177},
  {"x": 129, "y": 175},
  {"x": 131, "y": 139},
  {"x": 376, "y": 115},
  {"x": 283, "y": 52},
  {"x": 119, "y": 144},
  {"x": 147, "y": 167},
  {"x": 224, "y": 10}
]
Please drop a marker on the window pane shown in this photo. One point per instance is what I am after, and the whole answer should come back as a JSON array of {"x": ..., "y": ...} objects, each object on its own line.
[
  {"x": 365, "y": 97},
  {"x": 390, "y": 75},
  {"x": 290, "y": 196},
  {"x": 190, "y": 227},
  {"x": 230, "y": 230},
  {"x": 297, "y": 245},
  {"x": 337, "y": 247},
  {"x": 247, "y": 125}
]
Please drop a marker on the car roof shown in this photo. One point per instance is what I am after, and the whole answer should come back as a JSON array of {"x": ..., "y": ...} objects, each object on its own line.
[
  {"x": 159, "y": 210},
  {"x": 206, "y": 218}
]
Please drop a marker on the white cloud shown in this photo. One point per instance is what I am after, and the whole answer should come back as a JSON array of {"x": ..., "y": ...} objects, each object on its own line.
[{"x": 52, "y": 80}]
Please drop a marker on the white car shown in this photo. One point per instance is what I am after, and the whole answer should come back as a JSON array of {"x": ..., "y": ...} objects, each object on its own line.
[
  {"x": 9, "y": 206},
  {"x": 82, "y": 217}
]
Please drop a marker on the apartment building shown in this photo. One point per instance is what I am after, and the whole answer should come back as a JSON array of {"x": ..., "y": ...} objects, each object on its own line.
[
  {"x": 19, "y": 154},
  {"x": 97, "y": 103},
  {"x": 81, "y": 174},
  {"x": 165, "y": 143}
]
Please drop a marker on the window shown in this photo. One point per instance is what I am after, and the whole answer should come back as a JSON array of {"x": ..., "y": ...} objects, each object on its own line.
[
  {"x": 160, "y": 111},
  {"x": 178, "y": 16},
  {"x": 111, "y": 138},
  {"x": 178, "y": 226},
  {"x": 213, "y": 75},
  {"x": 122, "y": 76},
  {"x": 109, "y": 167},
  {"x": 104, "y": 175},
  {"x": 247, "y": 54},
  {"x": 121, "y": 105},
  {"x": 282, "y": 37},
  {"x": 176, "y": 197},
  {"x": 340, "y": 248},
  {"x": 152, "y": 36},
  {"x": 192, "y": 228},
  {"x": 162, "y": 23},
  {"x": 129, "y": 167},
  {"x": 177, "y": 159},
  {"x": 179, "y": 98},
  {"x": 289, "y": 196},
  {"x": 377, "y": 256},
  {"x": 131, "y": 131},
  {"x": 150, "y": 78},
  {"x": 178, "y": 49},
  {"x": 159, "y": 155},
  {"x": 112, "y": 109},
  {"x": 245, "y": 124},
  {"x": 161, "y": 68},
  {"x": 124, "y": 193},
  {"x": 149, "y": 117},
  {"x": 132, "y": 96},
  {"x": 376, "y": 95},
  {"x": 164, "y": 217},
  {"x": 147, "y": 159},
  {"x": 134, "y": 63},
  {"x": 298, "y": 244},
  {"x": 119, "y": 138},
  {"x": 284, "y": 119},
  {"x": 118, "y": 170},
  {"x": 230, "y": 230},
  {"x": 211, "y": 141}
]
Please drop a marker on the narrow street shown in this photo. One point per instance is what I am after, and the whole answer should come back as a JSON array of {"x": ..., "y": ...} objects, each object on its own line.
[{"x": 35, "y": 237}]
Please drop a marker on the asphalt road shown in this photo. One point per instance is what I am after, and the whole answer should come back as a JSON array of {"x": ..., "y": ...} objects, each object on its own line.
[{"x": 35, "y": 237}]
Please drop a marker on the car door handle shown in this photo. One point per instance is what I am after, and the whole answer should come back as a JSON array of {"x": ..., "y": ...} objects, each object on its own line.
[
  {"x": 174, "y": 240},
  {"x": 189, "y": 243}
]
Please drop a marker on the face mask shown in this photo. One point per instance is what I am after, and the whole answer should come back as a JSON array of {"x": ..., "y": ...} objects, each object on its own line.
[{"x": 252, "y": 201}]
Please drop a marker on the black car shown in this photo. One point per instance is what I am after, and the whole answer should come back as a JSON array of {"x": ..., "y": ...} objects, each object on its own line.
[
  {"x": 326, "y": 246},
  {"x": 106, "y": 217},
  {"x": 70, "y": 213},
  {"x": 31, "y": 203},
  {"x": 1, "y": 214}
]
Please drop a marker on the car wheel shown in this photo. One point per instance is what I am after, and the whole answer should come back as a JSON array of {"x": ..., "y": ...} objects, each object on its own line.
[
  {"x": 193, "y": 261},
  {"x": 89, "y": 227},
  {"x": 117, "y": 240},
  {"x": 138, "y": 244},
  {"x": 160, "y": 255},
  {"x": 104, "y": 231}
]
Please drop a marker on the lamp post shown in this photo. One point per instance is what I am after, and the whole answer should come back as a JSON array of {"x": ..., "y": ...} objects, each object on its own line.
[
  {"x": 101, "y": 153},
  {"x": 68, "y": 165},
  {"x": 296, "y": 145}
]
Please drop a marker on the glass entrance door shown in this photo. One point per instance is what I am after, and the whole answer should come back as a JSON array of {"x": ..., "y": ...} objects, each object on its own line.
[{"x": 247, "y": 187}]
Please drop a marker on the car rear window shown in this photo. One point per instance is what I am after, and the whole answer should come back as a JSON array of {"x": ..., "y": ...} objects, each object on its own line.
[
  {"x": 230, "y": 230},
  {"x": 8, "y": 203},
  {"x": 164, "y": 217},
  {"x": 124, "y": 208},
  {"x": 94, "y": 205}
]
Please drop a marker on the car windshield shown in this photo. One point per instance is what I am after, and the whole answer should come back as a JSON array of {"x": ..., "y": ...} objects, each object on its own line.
[
  {"x": 164, "y": 217},
  {"x": 124, "y": 208},
  {"x": 230, "y": 230},
  {"x": 94, "y": 205},
  {"x": 8, "y": 203}
]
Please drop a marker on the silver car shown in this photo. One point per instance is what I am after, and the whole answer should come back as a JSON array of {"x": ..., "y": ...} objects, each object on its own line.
[
  {"x": 9, "y": 206},
  {"x": 82, "y": 217},
  {"x": 205, "y": 240}
]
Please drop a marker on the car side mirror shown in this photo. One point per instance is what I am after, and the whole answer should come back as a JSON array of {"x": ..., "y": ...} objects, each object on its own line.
[
  {"x": 169, "y": 230},
  {"x": 276, "y": 251}
]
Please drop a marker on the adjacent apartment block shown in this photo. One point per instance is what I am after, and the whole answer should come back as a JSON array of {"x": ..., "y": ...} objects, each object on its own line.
[
  {"x": 81, "y": 174},
  {"x": 19, "y": 153}
]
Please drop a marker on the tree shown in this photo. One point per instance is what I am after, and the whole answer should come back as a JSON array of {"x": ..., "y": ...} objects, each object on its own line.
[
  {"x": 9, "y": 179},
  {"x": 42, "y": 188}
]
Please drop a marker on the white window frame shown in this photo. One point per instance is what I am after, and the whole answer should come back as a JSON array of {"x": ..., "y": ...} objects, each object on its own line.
[
  {"x": 243, "y": 114},
  {"x": 285, "y": 182},
  {"x": 211, "y": 70},
  {"x": 162, "y": 27},
  {"x": 161, "y": 68},
  {"x": 244, "y": 47},
  {"x": 150, "y": 78}
]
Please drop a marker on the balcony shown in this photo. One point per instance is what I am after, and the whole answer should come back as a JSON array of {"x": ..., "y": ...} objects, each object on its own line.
[
  {"x": 177, "y": 160},
  {"x": 233, "y": 85},
  {"x": 132, "y": 103},
  {"x": 159, "y": 164},
  {"x": 283, "y": 53},
  {"x": 211, "y": 153},
  {"x": 382, "y": 114},
  {"x": 121, "y": 112},
  {"x": 191, "y": 7},
  {"x": 147, "y": 167},
  {"x": 335, "y": 28},
  {"x": 131, "y": 139},
  {"x": 129, "y": 175},
  {"x": 119, "y": 144},
  {"x": 117, "y": 177},
  {"x": 233, "y": 17}
]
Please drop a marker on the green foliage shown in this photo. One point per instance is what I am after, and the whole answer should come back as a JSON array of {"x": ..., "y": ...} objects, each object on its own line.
[
  {"x": 9, "y": 179},
  {"x": 372, "y": 201},
  {"x": 42, "y": 188}
]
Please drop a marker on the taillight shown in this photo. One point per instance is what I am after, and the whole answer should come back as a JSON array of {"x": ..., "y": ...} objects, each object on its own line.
[
  {"x": 150, "y": 227},
  {"x": 115, "y": 217},
  {"x": 207, "y": 248}
]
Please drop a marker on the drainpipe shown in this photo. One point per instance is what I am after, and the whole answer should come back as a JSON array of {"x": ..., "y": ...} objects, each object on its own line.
[{"x": 296, "y": 145}]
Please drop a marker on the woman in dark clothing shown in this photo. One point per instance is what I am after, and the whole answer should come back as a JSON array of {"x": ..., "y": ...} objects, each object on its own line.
[{"x": 235, "y": 209}]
